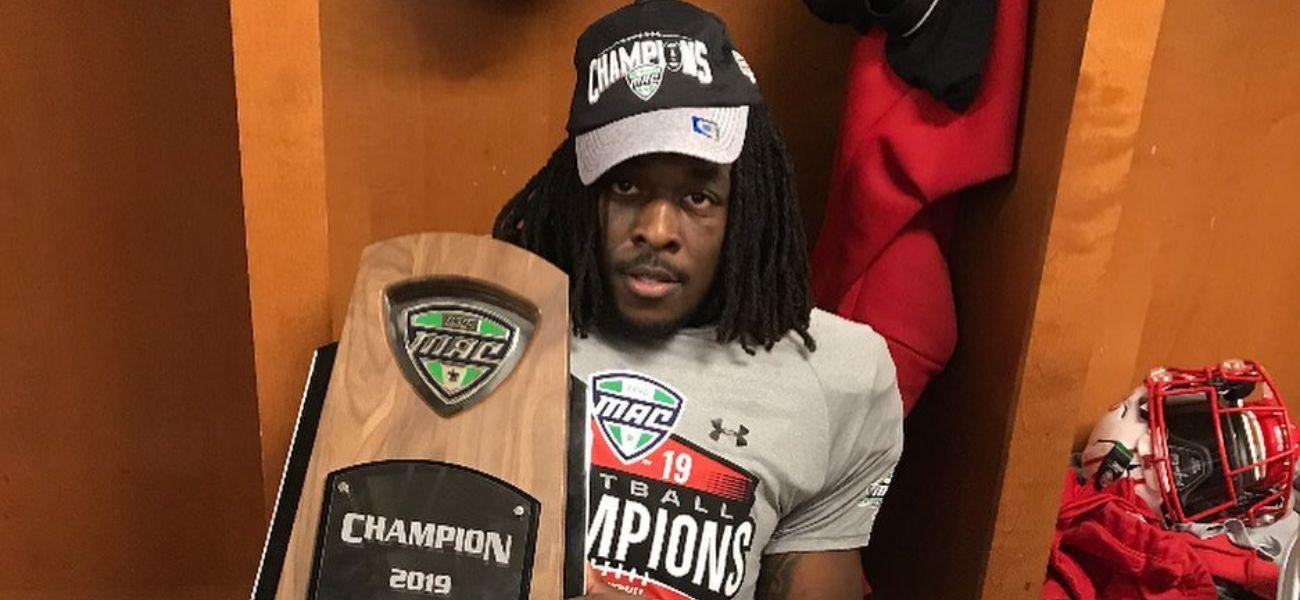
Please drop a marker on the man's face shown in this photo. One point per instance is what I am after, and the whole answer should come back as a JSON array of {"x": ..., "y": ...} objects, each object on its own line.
[{"x": 664, "y": 218}]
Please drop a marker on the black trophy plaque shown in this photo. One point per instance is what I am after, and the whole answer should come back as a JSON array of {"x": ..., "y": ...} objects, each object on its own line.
[{"x": 406, "y": 529}]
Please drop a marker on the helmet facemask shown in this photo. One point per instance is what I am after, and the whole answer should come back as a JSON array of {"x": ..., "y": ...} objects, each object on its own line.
[{"x": 1222, "y": 444}]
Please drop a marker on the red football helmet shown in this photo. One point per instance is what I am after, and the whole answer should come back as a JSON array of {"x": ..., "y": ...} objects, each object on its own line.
[{"x": 1222, "y": 443}]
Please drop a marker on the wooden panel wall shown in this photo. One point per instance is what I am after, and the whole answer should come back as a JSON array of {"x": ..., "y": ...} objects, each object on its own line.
[
  {"x": 1170, "y": 240},
  {"x": 437, "y": 112},
  {"x": 128, "y": 421},
  {"x": 1109, "y": 96},
  {"x": 282, "y": 157},
  {"x": 1206, "y": 260}
]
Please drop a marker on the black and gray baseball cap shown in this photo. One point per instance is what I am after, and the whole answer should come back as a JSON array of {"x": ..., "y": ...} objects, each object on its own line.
[{"x": 658, "y": 76}]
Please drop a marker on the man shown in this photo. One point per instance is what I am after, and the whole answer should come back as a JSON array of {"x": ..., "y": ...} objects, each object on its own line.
[{"x": 741, "y": 441}]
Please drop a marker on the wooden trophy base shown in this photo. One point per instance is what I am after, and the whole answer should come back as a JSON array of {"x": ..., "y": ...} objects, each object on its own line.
[{"x": 438, "y": 451}]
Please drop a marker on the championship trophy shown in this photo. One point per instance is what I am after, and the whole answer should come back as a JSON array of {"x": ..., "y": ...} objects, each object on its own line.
[{"x": 438, "y": 451}]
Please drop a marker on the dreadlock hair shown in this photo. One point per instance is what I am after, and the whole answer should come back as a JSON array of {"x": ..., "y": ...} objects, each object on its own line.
[{"x": 760, "y": 291}]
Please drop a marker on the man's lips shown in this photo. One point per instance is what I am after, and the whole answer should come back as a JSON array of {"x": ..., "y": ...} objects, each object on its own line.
[{"x": 651, "y": 283}]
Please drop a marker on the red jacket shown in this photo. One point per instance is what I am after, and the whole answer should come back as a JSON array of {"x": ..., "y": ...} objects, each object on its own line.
[{"x": 880, "y": 256}]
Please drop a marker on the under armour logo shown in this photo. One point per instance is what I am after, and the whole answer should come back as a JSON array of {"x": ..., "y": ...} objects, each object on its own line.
[{"x": 738, "y": 433}]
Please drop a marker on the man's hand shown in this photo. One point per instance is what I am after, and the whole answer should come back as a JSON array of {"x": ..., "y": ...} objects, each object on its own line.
[
  {"x": 824, "y": 575},
  {"x": 598, "y": 590}
]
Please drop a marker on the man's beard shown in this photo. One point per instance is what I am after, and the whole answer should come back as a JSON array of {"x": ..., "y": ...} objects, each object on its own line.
[{"x": 611, "y": 320}]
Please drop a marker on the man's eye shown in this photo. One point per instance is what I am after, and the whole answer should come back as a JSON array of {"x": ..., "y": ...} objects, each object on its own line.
[
  {"x": 623, "y": 188},
  {"x": 699, "y": 199}
]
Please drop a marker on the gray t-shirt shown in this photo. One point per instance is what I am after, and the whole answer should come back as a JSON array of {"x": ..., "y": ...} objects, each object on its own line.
[{"x": 704, "y": 458}]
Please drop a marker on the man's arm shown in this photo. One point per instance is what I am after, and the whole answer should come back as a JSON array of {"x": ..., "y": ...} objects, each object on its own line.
[{"x": 835, "y": 575}]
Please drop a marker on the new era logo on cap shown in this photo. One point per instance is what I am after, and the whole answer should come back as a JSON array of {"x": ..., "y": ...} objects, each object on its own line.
[{"x": 704, "y": 127}]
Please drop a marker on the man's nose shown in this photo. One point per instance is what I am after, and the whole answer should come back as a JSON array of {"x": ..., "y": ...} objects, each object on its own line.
[{"x": 657, "y": 226}]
